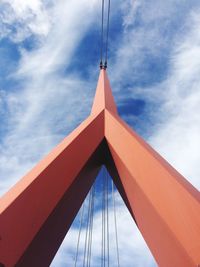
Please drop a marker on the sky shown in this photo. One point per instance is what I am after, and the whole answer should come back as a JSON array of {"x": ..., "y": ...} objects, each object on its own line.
[{"x": 49, "y": 57}]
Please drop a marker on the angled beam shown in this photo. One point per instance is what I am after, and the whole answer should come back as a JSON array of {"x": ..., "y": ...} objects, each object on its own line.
[
  {"x": 26, "y": 211},
  {"x": 46, "y": 242},
  {"x": 165, "y": 206}
]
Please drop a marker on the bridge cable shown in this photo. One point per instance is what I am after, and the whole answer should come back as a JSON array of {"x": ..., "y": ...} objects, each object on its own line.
[
  {"x": 102, "y": 31},
  {"x": 107, "y": 216},
  {"x": 87, "y": 228},
  {"x": 79, "y": 234},
  {"x": 105, "y": 248},
  {"x": 115, "y": 222},
  {"x": 103, "y": 251},
  {"x": 91, "y": 227},
  {"x": 107, "y": 28},
  {"x": 107, "y": 35},
  {"x": 104, "y": 199}
]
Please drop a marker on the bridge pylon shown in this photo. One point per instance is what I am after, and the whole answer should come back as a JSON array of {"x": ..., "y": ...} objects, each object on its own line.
[{"x": 37, "y": 212}]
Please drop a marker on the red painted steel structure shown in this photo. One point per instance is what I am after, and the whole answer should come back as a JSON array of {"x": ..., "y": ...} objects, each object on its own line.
[{"x": 38, "y": 211}]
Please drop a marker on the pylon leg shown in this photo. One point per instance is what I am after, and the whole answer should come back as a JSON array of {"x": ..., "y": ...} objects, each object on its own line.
[
  {"x": 38, "y": 211},
  {"x": 165, "y": 206}
]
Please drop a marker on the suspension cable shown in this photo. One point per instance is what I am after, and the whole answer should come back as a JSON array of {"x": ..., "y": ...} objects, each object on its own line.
[
  {"x": 102, "y": 52},
  {"x": 79, "y": 234},
  {"x": 115, "y": 221},
  {"x": 102, "y": 229},
  {"x": 102, "y": 27},
  {"x": 107, "y": 35},
  {"x": 87, "y": 227},
  {"x": 103, "y": 221},
  {"x": 91, "y": 228},
  {"x": 105, "y": 242},
  {"x": 107, "y": 215},
  {"x": 104, "y": 218}
]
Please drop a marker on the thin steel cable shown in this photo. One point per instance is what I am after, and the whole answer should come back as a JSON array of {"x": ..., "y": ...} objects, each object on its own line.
[
  {"x": 102, "y": 237},
  {"x": 107, "y": 34},
  {"x": 79, "y": 234},
  {"x": 102, "y": 229},
  {"x": 91, "y": 226},
  {"x": 115, "y": 220},
  {"x": 90, "y": 229},
  {"x": 102, "y": 27},
  {"x": 105, "y": 212},
  {"x": 87, "y": 227},
  {"x": 104, "y": 218},
  {"x": 107, "y": 215}
]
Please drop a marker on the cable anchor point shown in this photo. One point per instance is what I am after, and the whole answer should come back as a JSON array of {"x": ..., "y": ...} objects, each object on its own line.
[{"x": 101, "y": 65}]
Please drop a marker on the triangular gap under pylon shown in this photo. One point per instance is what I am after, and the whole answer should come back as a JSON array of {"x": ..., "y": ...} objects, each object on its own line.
[
  {"x": 68, "y": 250},
  {"x": 60, "y": 220}
]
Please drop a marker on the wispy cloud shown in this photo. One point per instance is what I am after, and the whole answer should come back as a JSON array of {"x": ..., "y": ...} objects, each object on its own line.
[
  {"x": 39, "y": 112},
  {"x": 20, "y": 19},
  {"x": 177, "y": 136},
  {"x": 159, "y": 64}
]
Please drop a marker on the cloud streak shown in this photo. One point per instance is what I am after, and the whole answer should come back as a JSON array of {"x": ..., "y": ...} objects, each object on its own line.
[
  {"x": 180, "y": 125},
  {"x": 34, "y": 109}
]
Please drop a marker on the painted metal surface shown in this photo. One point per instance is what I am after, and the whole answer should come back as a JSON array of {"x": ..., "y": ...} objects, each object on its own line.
[
  {"x": 38, "y": 211},
  {"x": 26, "y": 208},
  {"x": 166, "y": 207}
]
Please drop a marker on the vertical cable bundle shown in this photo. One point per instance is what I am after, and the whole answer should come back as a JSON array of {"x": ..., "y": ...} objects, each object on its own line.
[
  {"x": 87, "y": 219},
  {"x": 105, "y": 221},
  {"x": 102, "y": 52},
  {"x": 89, "y": 230},
  {"x": 115, "y": 222}
]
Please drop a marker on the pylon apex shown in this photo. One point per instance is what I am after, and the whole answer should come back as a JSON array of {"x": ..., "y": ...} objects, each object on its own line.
[{"x": 103, "y": 97}]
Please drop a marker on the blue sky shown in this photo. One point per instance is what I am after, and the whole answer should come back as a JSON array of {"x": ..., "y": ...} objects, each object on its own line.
[{"x": 49, "y": 56}]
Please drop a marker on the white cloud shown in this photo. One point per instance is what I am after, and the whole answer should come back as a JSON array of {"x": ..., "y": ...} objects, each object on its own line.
[
  {"x": 173, "y": 42},
  {"x": 39, "y": 112},
  {"x": 177, "y": 137},
  {"x": 20, "y": 19}
]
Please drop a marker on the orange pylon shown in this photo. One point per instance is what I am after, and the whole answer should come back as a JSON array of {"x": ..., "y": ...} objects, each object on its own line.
[{"x": 37, "y": 212}]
